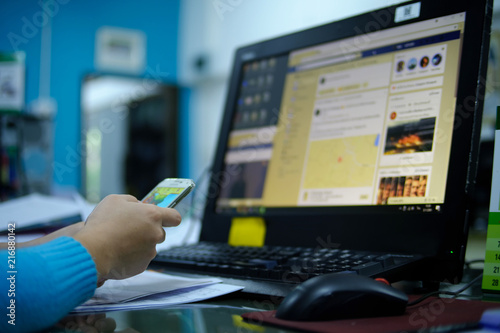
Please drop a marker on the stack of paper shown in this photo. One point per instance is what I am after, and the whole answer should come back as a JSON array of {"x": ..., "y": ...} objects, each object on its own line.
[
  {"x": 153, "y": 290},
  {"x": 35, "y": 211}
]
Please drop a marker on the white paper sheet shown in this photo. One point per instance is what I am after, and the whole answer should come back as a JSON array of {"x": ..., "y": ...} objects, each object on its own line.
[
  {"x": 37, "y": 209},
  {"x": 144, "y": 284},
  {"x": 163, "y": 300}
]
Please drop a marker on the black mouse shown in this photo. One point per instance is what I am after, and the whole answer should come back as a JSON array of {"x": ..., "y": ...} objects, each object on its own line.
[{"x": 341, "y": 296}]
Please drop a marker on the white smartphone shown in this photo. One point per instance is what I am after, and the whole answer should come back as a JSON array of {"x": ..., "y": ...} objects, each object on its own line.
[{"x": 169, "y": 192}]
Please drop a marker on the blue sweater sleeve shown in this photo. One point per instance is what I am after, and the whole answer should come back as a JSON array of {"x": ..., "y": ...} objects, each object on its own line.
[{"x": 46, "y": 282}]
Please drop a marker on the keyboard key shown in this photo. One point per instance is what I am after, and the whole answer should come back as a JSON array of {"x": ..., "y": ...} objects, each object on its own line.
[
  {"x": 238, "y": 270},
  {"x": 264, "y": 273},
  {"x": 269, "y": 264},
  {"x": 385, "y": 260},
  {"x": 368, "y": 269}
]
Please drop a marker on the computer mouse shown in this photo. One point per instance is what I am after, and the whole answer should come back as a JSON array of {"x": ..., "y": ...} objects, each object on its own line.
[{"x": 341, "y": 296}]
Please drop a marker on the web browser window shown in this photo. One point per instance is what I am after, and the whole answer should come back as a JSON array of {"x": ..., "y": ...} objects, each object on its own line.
[{"x": 362, "y": 121}]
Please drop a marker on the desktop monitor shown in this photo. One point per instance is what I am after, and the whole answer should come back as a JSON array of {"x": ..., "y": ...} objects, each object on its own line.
[{"x": 361, "y": 134}]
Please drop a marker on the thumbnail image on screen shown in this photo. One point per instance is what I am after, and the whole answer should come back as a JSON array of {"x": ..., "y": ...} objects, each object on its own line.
[
  {"x": 401, "y": 187},
  {"x": 410, "y": 137},
  {"x": 163, "y": 196}
]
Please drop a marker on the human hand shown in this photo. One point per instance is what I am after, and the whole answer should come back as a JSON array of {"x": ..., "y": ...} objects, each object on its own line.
[
  {"x": 94, "y": 323},
  {"x": 121, "y": 235}
]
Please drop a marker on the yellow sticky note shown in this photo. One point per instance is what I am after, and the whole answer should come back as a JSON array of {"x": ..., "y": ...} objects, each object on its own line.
[
  {"x": 247, "y": 231},
  {"x": 238, "y": 322}
]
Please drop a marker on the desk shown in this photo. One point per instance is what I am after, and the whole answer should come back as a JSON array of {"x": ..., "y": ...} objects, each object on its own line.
[{"x": 223, "y": 315}]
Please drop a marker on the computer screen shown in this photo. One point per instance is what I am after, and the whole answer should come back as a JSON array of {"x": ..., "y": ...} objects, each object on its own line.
[
  {"x": 358, "y": 121},
  {"x": 362, "y": 133}
]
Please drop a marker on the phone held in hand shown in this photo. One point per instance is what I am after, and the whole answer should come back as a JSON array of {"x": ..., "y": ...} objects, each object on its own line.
[{"x": 169, "y": 192}]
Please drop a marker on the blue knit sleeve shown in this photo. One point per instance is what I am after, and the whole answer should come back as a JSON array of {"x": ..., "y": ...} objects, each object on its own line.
[{"x": 44, "y": 284}]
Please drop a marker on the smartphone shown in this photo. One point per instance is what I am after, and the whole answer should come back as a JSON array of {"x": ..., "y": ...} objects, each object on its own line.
[{"x": 169, "y": 192}]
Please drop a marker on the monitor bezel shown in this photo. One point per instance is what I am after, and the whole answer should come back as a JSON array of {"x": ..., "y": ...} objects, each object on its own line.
[{"x": 440, "y": 236}]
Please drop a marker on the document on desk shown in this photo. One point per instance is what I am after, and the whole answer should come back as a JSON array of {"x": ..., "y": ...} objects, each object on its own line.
[
  {"x": 37, "y": 211},
  {"x": 153, "y": 290}
]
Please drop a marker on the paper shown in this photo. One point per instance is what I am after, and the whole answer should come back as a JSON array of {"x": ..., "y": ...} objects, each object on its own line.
[
  {"x": 186, "y": 291},
  {"x": 144, "y": 284},
  {"x": 247, "y": 231},
  {"x": 37, "y": 210}
]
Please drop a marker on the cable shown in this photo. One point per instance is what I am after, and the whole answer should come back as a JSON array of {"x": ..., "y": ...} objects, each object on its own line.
[
  {"x": 471, "y": 262},
  {"x": 194, "y": 204},
  {"x": 444, "y": 292},
  {"x": 196, "y": 200}
]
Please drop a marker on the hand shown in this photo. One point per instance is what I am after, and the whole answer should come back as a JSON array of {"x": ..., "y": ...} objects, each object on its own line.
[
  {"x": 121, "y": 235},
  {"x": 94, "y": 323}
]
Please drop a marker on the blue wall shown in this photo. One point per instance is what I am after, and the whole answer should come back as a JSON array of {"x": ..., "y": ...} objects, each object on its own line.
[{"x": 74, "y": 26}]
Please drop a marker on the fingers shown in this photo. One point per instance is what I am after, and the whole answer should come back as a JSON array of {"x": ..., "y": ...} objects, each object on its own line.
[
  {"x": 100, "y": 283},
  {"x": 163, "y": 237},
  {"x": 105, "y": 325},
  {"x": 170, "y": 218},
  {"x": 167, "y": 216},
  {"x": 128, "y": 197},
  {"x": 112, "y": 238},
  {"x": 92, "y": 323}
]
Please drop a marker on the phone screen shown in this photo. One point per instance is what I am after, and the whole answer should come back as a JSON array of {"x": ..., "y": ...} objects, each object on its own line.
[{"x": 163, "y": 196}]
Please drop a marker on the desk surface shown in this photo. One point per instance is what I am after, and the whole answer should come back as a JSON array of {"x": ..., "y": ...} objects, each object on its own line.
[
  {"x": 220, "y": 315},
  {"x": 224, "y": 313}
]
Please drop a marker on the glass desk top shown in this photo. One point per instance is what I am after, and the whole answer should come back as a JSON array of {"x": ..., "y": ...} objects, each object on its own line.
[{"x": 217, "y": 316}]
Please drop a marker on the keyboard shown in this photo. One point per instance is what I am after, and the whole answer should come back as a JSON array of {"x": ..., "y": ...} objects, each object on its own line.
[{"x": 275, "y": 268}]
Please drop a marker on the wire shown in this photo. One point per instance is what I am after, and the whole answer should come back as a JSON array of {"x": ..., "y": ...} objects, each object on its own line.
[
  {"x": 195, "y": 204},
  {"x": 444, "y": 292},
  {"x": 198, "y": 196},
  {"x": 471, "y": 262}
]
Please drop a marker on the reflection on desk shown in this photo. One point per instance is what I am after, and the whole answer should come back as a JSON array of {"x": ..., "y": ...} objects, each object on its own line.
[
  {"x": 222, "y": 314},
  {"x": 189, "y": 318}
]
